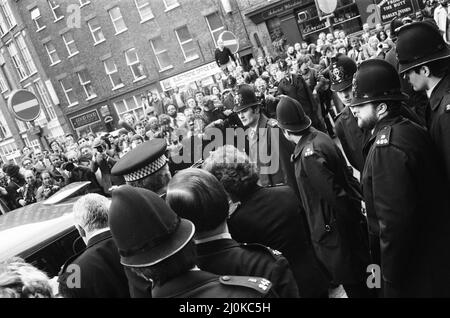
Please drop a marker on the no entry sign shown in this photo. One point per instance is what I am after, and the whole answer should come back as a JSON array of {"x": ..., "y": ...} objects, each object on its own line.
[
  {"x": 230, "y": 41},
  {"x": 24, "y": 105}
]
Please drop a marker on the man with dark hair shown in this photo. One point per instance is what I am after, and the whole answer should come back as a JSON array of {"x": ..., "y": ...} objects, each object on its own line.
[
  {"x": 425, "y": 60},
  {"x": 331, "y": 198},
  {"x": 157, "y": 245},
  {"x": 403, "y": 189},
  {"x": 198, "y": 196}
]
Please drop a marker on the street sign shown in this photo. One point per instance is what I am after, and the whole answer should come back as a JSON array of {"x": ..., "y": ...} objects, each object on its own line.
[
  {"x": 325, "y": 8},
  {"x": 230, "y": 41},
  {"x": 24, "y": 105}
]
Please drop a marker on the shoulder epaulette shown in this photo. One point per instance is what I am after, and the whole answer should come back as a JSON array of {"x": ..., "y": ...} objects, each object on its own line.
[
  {"x": 309, "y": 150},
  {"x": 259, "y": 247},
  {"x": 259, "y": 284},
  {"x": 272, "y": 122},
  {"x": 383, "y": 137},
  {"x": 447, "y": 108}
]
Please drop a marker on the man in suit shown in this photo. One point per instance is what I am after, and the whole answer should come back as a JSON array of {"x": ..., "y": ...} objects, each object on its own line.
[
  {"x": 294, "y": 86},
  {"x": 157, "y": 244},
  {"x": 101, "y": 274},
  {"x": 269, "y": 216},
  {"x": 217, "y": 252}
]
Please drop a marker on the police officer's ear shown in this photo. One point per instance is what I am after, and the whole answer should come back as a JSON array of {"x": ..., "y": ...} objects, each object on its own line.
[{"x": 381, "y": 109}]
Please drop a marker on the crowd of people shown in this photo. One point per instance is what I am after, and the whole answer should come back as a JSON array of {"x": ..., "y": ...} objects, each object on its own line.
[{"x": 282, "y": 214}]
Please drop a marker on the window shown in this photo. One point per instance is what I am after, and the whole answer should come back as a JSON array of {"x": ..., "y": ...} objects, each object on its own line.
[
  {"x": 186, "y": 43},
  {"x": 133, "y": 62},
  {"x": 215, "y": 26},
  {"x": 85, "y": 82},
  {"x": 162, "y": 56},
  {"x": 9, "y": 148},
  {"x": 117, "y": 20},
  {"x": 45, "y": 98},
  {"x": 111, "y": 71},
  {"x": 84, "y": 3},
  {"x": 4, "y": 129},
  {"x": 22, "y": 126},
  {"x": 56, "y": 9},
  {"x": 16, "y": 60},
  {"x": 6, "y": 10},
  {"x": 3, "y": 26},
  {"x": 96, "y": 31},
  {"x": 171, "y": 4},
  {"x": 144, "y": 9},
  {"x": 3, "y": 84},
  {"x": 51, "y": 51},
  {"x": 36, "y": 17},
  {"x": 70, "y": 44},
  {"x": 29, "y": 64},
  {"x": 68, "y": 92},
  {"x": 132, "y": 105}
]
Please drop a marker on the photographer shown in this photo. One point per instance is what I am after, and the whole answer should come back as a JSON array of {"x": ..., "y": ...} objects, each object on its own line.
[
  {"x": 103, "y": 161},
  {"x": 78, "y": 173},
  {"x": 48, "y": 188},
  {"x": 29, "y": 191}
]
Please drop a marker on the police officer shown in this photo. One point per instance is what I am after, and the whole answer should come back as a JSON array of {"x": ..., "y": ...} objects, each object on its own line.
[
  {"x": 157, "y": 244},
  {"x": 352, "y": 137},
  {"x": 217, "y": 251},
  {"x": 331, "y": 198},
  {"x": 424, "y": 59},
  {"x": 402, "y": 182},
  {"x": 266, "y": 145}
]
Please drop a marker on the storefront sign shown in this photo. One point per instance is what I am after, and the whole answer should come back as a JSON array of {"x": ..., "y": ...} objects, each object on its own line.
[
  {"x": 193, "y": 75},
  {"x": 85, "y": 119},
  {"x": 274, "y": 10},
  {"x": 390, "y": 9}
]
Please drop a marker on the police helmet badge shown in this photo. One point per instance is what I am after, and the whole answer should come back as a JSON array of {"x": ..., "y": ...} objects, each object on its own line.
[
  {"x": 354, "y": 85},
  {"x": 337, "y": 74}
]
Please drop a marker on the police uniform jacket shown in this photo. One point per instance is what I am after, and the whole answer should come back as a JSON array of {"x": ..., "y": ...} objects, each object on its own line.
[
  {"x": 227, "y": 257},
  {"x": 438, "y": 121},
  {"x": 273, "y": 217},
  {"x": 200, "y": 284},
  {"x": 352, "y": 138},
  {"x": 271, "y": 143},
  {"x": 101, "y": 273},
  {"x": 408, "y": 220},
  {"x": 332, "y": 201}
]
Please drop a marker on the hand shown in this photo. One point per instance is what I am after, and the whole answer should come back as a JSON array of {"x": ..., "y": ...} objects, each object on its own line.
[
  {"x": 22, "y": 202},
  {"x": 3, "y": 191},
  {"x": 227, "y": 112},
  {"x": 218, "y": 122}
]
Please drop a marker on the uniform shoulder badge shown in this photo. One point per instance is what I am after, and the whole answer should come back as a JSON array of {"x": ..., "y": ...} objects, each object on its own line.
[
  {"x": 272, "y": 122},
  {"x": 447, "y": 108},
  {"x": 309, "y": 150},
  {"x": 258, "y": 284},
  {"x": 259, "y": 247},
  {"x": 383, "y": 137}
]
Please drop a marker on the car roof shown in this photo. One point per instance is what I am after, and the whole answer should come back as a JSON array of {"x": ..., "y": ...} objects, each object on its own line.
[{"x": 27, "y": 229}]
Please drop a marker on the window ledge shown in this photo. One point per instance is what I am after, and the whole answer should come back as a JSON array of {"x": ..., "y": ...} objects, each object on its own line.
[
  {"x": 166, "y": 68},
  {"x": 124, "y": 30},
  {"x": 59, "y": 19},
  {"x": 172, "y": 7},
  {"x": 40, "y": 29},
  {"x": 91, "y": 98},
  {"x": 34, "y": 73},
  {"x": 99, "y": 42},
  {"x": 73, "y": 104},
  {"x": 55, "y": 63},
  {"x": 148, "y": 19},
  {"x": 85, "y": 4},
  {"x": 72, "y": 55},
  {"x": 118, "y": 87},
  {"x": 139, "y": 79},
  {"x": 193, "y": 58}
]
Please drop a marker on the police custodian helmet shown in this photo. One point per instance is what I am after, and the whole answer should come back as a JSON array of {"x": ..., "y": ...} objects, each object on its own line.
[
  {"x": 375, "y": 81},
  {"x": 342, "y": 70},
  {"x": 291, "y": 116},
  {"x": 419, "y": 43}
]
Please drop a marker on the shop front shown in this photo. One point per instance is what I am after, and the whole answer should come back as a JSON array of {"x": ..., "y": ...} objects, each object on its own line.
[{"x": 292, "y": 21}]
